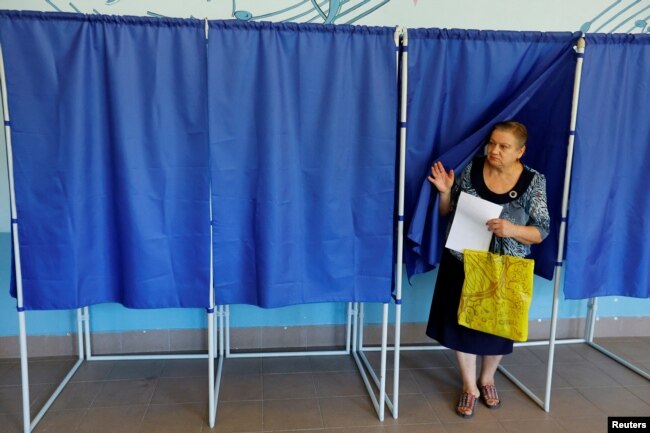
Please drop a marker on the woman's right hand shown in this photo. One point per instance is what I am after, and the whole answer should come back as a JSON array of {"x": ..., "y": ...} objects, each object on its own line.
[{"x": 441, "y": 179}]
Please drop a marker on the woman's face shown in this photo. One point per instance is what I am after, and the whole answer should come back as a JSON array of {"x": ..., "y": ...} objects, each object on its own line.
[{"x": 503, "y": 149}]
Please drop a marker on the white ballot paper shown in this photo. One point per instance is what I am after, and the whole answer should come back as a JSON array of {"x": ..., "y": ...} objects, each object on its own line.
[{"x": 468, "y": 231}]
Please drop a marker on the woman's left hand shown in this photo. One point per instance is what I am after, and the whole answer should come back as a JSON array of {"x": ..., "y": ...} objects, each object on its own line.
[{"x": 501, "y": 228}]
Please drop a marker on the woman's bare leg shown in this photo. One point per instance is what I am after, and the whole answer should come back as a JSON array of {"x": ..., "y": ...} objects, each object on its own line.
[
  {"x": 467, "y": 364},
  {"x": 467, "y": 404},
  {"x": 488, "y": 369},
  {"x": 486, "y": 381}
]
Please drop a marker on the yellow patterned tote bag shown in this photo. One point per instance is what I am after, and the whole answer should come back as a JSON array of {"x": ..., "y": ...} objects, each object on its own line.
[{"x": 496, "y": 294}]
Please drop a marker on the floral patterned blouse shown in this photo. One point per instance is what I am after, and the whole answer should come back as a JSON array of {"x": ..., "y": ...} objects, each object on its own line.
[{"x": 525, "y": 204}]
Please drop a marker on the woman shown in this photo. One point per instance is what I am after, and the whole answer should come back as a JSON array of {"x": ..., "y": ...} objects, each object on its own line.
[{"x": 501, "y": 178}]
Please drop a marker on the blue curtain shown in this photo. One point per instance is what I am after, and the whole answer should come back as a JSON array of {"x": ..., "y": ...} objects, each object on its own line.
[
  {"x": 302, "y": 162},
  {"x": 608, "y": 237},
  {"x": 462, "y": 82},
  {"x": 109, "y": 126}
]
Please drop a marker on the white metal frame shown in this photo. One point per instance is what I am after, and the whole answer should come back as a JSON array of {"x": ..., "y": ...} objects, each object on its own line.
[
  {"x": 351, "y": 312},
  {"x": 590, "y": 323},
  {"x": 545, "y": 403},
  {"x": 354, "y": 325},
  {"x": 83, "y": 314},
  {"x": 589, "y": 340},
  {"x": 401, "y": 60}
]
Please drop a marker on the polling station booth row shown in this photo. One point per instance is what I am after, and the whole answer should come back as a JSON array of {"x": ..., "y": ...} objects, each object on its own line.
[{"x": 182, "y": 163}]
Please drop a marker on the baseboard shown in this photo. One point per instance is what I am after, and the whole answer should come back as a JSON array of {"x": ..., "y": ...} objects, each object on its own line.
[{"x": 288, "y": 338}]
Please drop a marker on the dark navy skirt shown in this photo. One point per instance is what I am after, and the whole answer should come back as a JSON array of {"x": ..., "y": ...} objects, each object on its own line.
[{"x": 443, "y": 319}]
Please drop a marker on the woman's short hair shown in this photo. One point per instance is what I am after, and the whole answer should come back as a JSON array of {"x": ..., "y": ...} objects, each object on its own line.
[{"x": 515, "y": 128}]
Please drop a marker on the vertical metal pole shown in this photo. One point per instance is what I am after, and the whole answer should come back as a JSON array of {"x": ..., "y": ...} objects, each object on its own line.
[
  {"x": 226, "y": 312},
  {"x": 86, "y": 317},
  {"x": 348, "y": 328},
  {"x": 210, "y": 315},
  {"x": 400, "y": 219},
  {"x": 211, "y": 407},
  {"x": 80, "y": 334},
  {"x": 24, "y": 374},
  {"x": 355, "y": 326},
  {"x": 591, "y": 320},
  {"x": 580, "y": 49},
  {"x": 22, "y": 327},
  {"x": 222, "y": 351},
  {"x": 382, "y": 368},
  {"x": 362, "y": 309}
]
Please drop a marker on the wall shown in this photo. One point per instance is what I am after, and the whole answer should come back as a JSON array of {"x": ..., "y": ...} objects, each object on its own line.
[
  {"x": 551, "y": 15},
  {"x": 603, "y": 16}
]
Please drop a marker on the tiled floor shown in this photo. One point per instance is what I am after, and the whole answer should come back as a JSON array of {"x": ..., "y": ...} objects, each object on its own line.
[{"x": 326, "y": 394}]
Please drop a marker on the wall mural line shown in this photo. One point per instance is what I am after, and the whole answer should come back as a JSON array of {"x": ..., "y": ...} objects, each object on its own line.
[
  {"x": 307, "y": 11},
  {"x": 617, "y": 16}
]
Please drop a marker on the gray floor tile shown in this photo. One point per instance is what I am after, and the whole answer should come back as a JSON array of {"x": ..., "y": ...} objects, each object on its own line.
[
  {"x": 137, "y": 369},
  {"x": 620, "y": 373},
  {"x": 348, "y": 412},
  {"x": 292, "y": 414},
  {"x": 65, "y": 421},
  {"x": 125, "y": 419},
  {"x": 93, "y": 371},
  {"x": 375, "y": 429},
  {"x": 425, "y": 359},
  {"x": 593, "y": 424},
  {"x": 11, "y": 422},
  {"x": 176, "y": 390},
  {"x": 125, "y": 393},
  {"x": 283, "y": 386},
  {"x": 537, "y": 426},
  {"x": 584, "y": 374},
  {"x": 445, "y": 379},
  {"x": 564, "y": 354},
  {"x": 11, "y": 397},
  {"x": 536, "y": 377},
  {"x": 315, "y": 430},
  {"x": 566, "y": 403},
  {"x": 290, "y": 364},
  {"x": 239, "y": 416},
  {"x": 77, "y": 395},
  {"x": 339, "y": 384},
  {"x": 643, "y": 392},
  {"x": 332, "y": 363},
  {"x": 515, "y": 405},
  {"x": 177, "y": 418},
  {"x": 469, "y": 427},
  {"x": 186, "y": 368},
  {"x": 524, "y": 356},
  {"x": 39, "y": 372},
  {"x": 242, "y": 366},
  {"x": 414, "y": 428},
  {"x": 637, "y": 349},
  {"x": 374, "y": 358},
  {"x": 239, "y": 387},
  {"x": 413, "y": 409},
  {"x": 616, "y": 401},
  {"x": 407, "y": 384}
]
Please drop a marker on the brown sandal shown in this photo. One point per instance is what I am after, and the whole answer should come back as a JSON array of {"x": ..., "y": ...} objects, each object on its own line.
[
  {"x": 489, "y": 396},
  {"x": 466, "y": 405}
]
